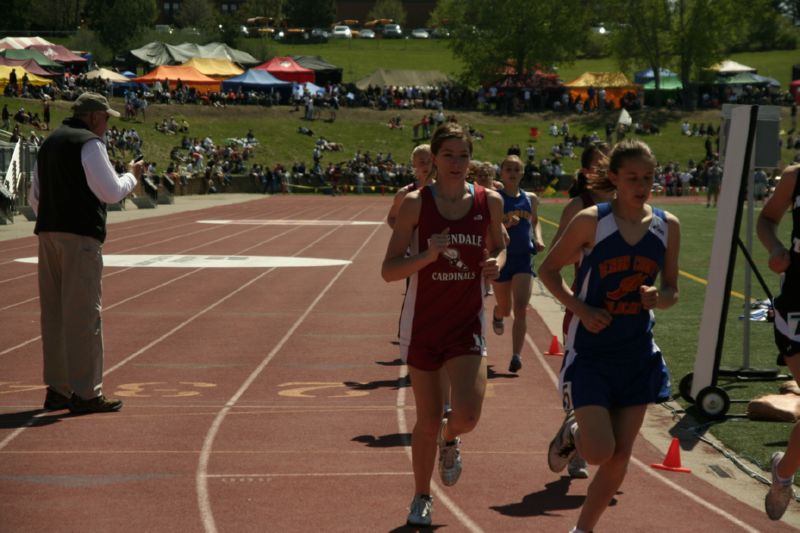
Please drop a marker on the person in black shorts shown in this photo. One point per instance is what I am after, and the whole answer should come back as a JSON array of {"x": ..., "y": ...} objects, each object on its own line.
[{"x": 786, "y": 263}]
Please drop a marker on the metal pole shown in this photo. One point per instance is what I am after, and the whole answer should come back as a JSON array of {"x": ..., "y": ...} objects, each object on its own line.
[{"x": 747, "y": 269}]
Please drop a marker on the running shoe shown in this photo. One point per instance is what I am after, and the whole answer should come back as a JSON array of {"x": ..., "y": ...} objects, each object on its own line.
[
  {"x": 420, "y": 511},
  {"x": 562, "y": 447},
  {"x": 449, "y": 458},
  {"x": 577, "y": 467},
  {"x": 497, "y": 325},
  {"x": 515, "y": 364},
  {"x": 780, "y": 492}
]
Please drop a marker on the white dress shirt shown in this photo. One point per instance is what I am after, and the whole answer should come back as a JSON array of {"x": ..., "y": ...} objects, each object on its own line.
[{"x": 101, "y": 177}]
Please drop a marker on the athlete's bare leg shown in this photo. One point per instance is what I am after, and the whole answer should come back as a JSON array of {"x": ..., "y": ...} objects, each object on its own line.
[
  {"x": 428, "y": 399},
  {"x": 791, "y": 457},
  {"x": 521, "y": 290},
  {"x": 605, "y": 438},
  {"x": 468, "y": 386}
]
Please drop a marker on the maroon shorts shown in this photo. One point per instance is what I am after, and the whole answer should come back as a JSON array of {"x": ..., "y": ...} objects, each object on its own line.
[{"x": 432, "y": 358}]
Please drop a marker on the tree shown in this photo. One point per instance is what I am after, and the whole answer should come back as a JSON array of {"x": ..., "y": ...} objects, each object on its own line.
[
  {"x": 688, "y": 35},
  {"x": 118, "y": 22},
  {"x": 262, "y": 8},
  {"x": 16, "y": 15},
  {"x": 310, "y": 13},
  {"x": 388, "y": 9},
  {"x": 196, "y": 14},
  {"x": 56, "y": 15},
  {"x": 488, "y": 36}
]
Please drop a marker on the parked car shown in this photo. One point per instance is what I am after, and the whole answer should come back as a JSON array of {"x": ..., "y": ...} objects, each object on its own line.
[
  {"x": 392, "y": 31},
  {"x": 440, "y": 33},
  {"x": 366, "y": 33},
  {"x": 420, "y": 33},
  {"x": 320, "y": 33},
  {"x": 342, "y": 32}
]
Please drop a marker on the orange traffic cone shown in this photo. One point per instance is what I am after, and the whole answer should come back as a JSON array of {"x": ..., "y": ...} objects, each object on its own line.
[
  {"x": 554, "y": 347},
  {"x": 672, "y": 461}
]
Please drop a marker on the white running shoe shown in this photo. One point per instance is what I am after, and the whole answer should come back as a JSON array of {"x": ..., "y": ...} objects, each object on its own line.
[
  {"x": 562, "y": 447},
  {"x": 449, "y": 458},
  {"x": 780, "y": 492},
  {"x": 577, "y": 468},
  {"x": 420, "y": 511}
]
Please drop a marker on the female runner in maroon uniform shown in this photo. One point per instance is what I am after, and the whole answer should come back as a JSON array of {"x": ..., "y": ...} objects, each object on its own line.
[{"x": 454, "y": 230}]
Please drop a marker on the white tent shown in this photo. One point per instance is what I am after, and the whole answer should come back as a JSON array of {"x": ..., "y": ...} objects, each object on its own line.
[
  {"x": 105, "y": 74},
  {"x": 20, "y": 43},
  {"x": 731, "y": 67}
]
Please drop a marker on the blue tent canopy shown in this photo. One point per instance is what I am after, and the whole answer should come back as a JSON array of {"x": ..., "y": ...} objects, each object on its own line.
[
  {"x": 256, "y": 80},
  {"x": 643, "y": 76},
  {"x": 310, "y": 87}
]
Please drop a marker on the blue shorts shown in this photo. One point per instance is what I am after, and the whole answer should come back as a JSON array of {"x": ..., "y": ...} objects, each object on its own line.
[
  {"x": 592, "y": 380},
  {"x": 516, "y": 264}
]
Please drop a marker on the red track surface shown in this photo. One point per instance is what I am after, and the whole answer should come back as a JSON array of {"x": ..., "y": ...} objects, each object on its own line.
[{"x": 273, "y": 400}]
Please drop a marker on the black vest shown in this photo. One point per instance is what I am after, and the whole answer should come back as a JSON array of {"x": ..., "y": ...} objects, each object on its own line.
[{"x": 66, "y": 203}]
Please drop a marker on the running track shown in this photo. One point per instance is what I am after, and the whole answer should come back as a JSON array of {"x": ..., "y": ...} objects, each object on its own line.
[{"x": 272, "y": 399}]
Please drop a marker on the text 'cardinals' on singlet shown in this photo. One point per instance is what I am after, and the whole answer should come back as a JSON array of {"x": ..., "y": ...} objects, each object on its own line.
[
  {"x": 444, "y": 301},
  {"x": 609, "y": 277},
  {"x": 520, "y": 233}
]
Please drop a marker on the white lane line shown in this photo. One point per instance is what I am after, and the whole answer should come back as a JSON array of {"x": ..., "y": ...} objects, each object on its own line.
[
  {"x": 312, "y": 474},
  {"x": 294, "y": 222},
  {"x": 440, "y": 495},
  {"x": 203, "y": 497},
  {"x": 692, "y": 496}
]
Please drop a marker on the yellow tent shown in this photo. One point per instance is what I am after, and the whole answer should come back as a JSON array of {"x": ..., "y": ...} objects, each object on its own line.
[
  {"x": 616, "y": 85},
  {"x": 214, "y": 68},
  {"x": 33, "y": 79}
]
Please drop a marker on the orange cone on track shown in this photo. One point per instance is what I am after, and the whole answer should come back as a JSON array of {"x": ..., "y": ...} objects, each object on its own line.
[
  {"x": 555, "y": 349},
  {"x": 672, "y": 461}
]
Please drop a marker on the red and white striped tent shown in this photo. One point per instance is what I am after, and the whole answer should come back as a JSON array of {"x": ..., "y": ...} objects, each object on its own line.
[{"x": 21, "y": 43}]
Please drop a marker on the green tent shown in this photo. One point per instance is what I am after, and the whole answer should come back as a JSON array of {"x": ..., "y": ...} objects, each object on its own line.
[
  {"x": 39, "y": 57},
  {"x": 671, "y": 83}
]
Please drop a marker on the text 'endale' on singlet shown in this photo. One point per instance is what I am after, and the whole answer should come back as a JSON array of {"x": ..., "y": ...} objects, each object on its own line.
[
  {"x": 609, "y": 277},
  {"x": 444, "y": 301}
]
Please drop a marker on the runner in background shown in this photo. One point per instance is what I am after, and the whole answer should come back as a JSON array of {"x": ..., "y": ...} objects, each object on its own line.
[
  {"x": 513, "y": 287},
  {"x": 786, "y": 263},
  {"x": 612, "y": 366},
  {"x": 454, "y": 230},
  {"x": 581, "y": 197}
]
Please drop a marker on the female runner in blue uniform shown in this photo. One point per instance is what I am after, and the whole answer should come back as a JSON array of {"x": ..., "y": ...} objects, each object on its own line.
[
  {"x": 612, "y": 366},
  {"x": 787, "y": 321},
  {"x": 513, "y": 286}
]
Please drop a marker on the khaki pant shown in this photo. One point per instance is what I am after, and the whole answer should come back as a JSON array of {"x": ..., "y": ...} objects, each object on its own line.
[{"x": 70, "y": 271}]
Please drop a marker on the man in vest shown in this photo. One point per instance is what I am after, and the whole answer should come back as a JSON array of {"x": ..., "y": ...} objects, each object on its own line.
[{"x": 72, "y": 181}]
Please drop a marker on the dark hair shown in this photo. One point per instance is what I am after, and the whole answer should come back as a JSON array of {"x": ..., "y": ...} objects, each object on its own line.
[
  {"x": 622, "y": 151},
  {"x": 581, "y": 183},
  {"x": 450, "y": 130}
]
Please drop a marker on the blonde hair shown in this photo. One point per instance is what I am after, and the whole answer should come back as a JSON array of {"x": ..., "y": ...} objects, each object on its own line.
[
  {"x": 511, "y": 158},
  {"x": 623, "y": 151},
  {"x": 420, "y": 148}
]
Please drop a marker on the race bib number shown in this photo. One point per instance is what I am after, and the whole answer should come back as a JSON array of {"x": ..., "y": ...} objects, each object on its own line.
[{"x": 793, "y": 321}]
